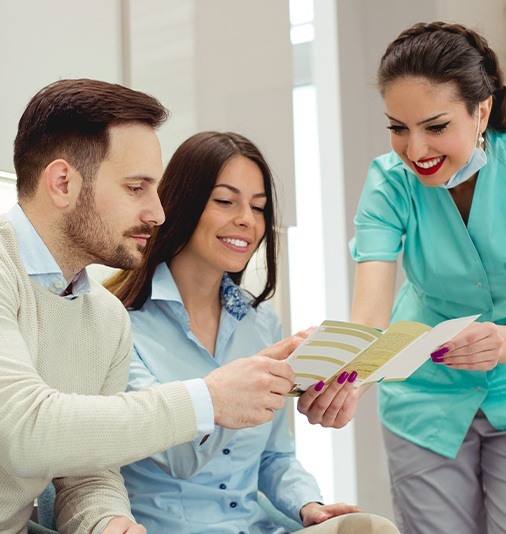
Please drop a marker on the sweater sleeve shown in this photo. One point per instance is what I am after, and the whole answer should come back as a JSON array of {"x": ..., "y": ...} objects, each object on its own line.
[
  {"x": 85, "y": 505},
  {"x": 46, "y": 433}
]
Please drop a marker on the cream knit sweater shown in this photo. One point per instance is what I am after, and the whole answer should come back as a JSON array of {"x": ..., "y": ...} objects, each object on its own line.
[{"x": 62, "y": 364}]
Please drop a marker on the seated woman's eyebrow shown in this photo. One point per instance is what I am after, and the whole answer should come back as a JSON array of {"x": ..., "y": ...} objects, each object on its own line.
[{"x": 238, "y": 192}]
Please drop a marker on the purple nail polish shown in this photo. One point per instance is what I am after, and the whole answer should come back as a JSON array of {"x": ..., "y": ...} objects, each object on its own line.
[
  {"x": 439, "y": 352},
  {"x": 438, "y": 359},
  {"x": 353, "y": 376},
  {"x": 342, "y": 377},
  {"x": 319, "y": 386}
]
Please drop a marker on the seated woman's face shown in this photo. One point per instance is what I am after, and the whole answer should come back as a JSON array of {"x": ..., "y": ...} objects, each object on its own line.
[{"x": 232, "y": 223}]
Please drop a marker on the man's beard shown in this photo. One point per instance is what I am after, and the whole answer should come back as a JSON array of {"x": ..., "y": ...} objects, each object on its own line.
[{"x": 89, "y": 237}]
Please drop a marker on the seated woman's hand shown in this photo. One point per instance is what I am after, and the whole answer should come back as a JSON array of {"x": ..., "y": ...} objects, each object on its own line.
[
  {"x": 479, "y": 347},
  {"x": 315, "y": 512},
  {"x": 332, "y": 405}
]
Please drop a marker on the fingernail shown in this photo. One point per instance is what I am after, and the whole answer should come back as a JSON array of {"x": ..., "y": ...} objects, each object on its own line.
[
  {"x": 353, "y": 376},
  {"x": 439, "y": 352},
  {"x": 342, "y": 377},
  {"x": 438, "y": 359},
  {"x": 319, "y": 386}
]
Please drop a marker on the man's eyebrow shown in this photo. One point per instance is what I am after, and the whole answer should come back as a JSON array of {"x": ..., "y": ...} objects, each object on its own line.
[
  {"x": 237, "y": 191},
  {"x": 433, "y": 118},
  {"x": 139, "y": 177}
]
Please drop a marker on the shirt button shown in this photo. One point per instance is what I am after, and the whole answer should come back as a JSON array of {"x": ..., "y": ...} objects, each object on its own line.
[
  {"x": 226, "y": 451},
  {"x": 477, "y": 285},
  {"x": 223, "y": 486},
  {"x": 233, "y": 504},
  {"x": 58, "y": 284}
]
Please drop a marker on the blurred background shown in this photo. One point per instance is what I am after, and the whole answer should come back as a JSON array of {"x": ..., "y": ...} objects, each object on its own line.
[{"x": 297, "y": 77}]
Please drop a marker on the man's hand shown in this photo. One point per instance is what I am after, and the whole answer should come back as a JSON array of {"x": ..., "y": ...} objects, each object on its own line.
[
  {"x": 246, "y": 392},
  {"x": 331, "y": 406},
  {"x": 314, "y": 513},
  {"x": 123, "y": 525},
  {"x": 282, "y": 349}
]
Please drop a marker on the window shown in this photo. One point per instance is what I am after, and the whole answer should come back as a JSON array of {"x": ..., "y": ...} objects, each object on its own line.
[{"x": 318, "y": 236}]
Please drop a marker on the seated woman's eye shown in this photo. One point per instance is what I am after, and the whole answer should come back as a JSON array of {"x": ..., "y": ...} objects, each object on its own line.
[
  {"x": 259, "y": 209},
  {"x": 222, "y": 201},
  {"x": 396, "y": 128}
]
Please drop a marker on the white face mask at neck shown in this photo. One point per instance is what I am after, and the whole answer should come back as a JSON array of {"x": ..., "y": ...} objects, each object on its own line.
[{"x": 477, "y": 160}]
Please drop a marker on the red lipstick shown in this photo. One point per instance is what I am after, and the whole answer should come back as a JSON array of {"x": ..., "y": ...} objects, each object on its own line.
[{"x": 430, "y": 170}]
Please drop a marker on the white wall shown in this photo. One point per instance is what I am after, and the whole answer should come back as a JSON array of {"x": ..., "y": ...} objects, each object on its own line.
[{"x": 41, "y": 42}]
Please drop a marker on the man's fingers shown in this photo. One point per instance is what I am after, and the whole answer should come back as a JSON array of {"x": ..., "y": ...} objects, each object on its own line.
[
  {"x": 245, "y": 391},
  {"x": 282, "y": 349},
  {"x": 282, "y": 370}
]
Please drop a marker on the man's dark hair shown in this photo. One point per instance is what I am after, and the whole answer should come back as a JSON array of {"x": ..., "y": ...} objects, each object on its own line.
[{"x": 70, "y": 119}]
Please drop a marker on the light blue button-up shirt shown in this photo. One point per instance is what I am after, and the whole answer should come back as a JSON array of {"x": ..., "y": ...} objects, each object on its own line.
[
  {"x": 452, "y": 270},
  {"x": 211, "y": 486},
  {"x": 39, "y": 262},
  {"x": 42, "y": 267}
]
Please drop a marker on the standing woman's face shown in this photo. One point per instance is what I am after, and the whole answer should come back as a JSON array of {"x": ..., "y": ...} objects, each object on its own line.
[
  {"x": 232, "y": 223},
  {"x": 431, "y": 130}
]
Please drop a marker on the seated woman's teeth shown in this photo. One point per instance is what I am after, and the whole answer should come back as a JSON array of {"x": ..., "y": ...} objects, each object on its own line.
[{"x": 235, "y": 242}]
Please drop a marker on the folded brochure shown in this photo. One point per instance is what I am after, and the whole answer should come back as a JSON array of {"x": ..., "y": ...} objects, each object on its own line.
[{"x": 394, "y": 354}]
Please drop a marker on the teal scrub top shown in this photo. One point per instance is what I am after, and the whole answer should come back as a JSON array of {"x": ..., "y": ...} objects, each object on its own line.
[{"x": 452, "y": 270}]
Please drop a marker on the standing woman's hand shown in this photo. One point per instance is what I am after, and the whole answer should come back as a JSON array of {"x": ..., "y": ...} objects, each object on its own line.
[{"x": 479, "y": 347}]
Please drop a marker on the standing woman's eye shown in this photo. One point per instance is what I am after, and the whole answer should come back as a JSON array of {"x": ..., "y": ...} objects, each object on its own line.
[
  {"x": 438, "y": 128},
  {"x": 222, "y": 201}
]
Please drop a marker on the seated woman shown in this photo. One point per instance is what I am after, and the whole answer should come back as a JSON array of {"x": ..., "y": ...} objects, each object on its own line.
[{"x": 189, "y": 316}]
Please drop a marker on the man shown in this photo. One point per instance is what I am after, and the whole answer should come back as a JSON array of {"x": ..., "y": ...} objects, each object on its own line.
[{"x": 88, "y": 165}]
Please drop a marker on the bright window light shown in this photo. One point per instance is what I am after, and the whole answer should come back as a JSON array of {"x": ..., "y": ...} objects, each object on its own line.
[
  {"x": 301, "y": 12},
  {"x": 302, "y": 34}
]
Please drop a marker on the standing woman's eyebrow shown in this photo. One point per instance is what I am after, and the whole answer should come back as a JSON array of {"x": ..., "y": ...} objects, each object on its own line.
[{"x": 433, "y": 118}]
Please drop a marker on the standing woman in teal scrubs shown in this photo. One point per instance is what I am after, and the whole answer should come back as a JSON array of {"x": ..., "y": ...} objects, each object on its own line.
[{"x": 440, "y": 198}]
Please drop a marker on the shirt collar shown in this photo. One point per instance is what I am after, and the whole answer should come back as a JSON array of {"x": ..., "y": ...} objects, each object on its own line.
[
  {"x": 232, "y": 297},
  {"x": 37, "y": 259}
]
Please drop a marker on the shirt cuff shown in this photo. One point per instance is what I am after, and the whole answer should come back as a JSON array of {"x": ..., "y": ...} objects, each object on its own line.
[{"x": 202, "y": 405}]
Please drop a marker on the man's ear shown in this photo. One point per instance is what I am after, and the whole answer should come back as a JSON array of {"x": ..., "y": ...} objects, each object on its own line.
[{"x": 62, "y": 183}]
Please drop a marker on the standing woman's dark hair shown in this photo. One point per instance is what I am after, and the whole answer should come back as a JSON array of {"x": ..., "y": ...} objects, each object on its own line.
[
  {"x": 448, "y": 53},
  {"x": 185, "y": 188}
]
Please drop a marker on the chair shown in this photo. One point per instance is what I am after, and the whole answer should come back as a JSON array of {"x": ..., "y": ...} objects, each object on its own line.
[
  {"x": 45, "y": 506},
  {"x": 35, "y": 528}
]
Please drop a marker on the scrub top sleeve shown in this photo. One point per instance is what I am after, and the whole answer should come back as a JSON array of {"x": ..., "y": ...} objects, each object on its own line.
[{"x": 382, "y": 214}]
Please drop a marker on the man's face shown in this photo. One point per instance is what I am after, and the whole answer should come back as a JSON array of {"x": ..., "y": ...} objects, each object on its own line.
[{"x": 117, "y": 212}]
